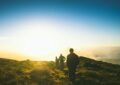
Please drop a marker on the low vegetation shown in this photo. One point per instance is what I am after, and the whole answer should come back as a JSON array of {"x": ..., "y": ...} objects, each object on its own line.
[{"x": 89, "y": 72}]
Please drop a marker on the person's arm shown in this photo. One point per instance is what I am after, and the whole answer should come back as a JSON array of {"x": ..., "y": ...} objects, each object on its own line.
[
  {"x": 77, "y": 59},
  {"x": 67, "y": 61}
]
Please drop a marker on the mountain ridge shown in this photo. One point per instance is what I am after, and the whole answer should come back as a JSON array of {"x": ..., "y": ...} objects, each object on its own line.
[{"x": 89, "y": 72}]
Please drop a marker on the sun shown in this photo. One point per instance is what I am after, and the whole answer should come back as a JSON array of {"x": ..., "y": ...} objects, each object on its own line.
[
  {"x": 37, "y": 38},
  {"x": 42, "y": 38}
]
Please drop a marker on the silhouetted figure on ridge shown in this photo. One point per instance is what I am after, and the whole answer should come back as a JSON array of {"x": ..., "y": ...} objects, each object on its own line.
[
  {"x": 57, "y": 62},
  {"x": 72, "y": 62},
  {"x": 61, "y": 62}
]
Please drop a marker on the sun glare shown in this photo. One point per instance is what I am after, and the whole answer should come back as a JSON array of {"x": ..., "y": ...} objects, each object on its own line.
[{"x": 37, "y": 38}]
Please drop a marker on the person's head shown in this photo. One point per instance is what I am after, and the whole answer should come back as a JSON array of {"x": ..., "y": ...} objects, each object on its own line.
[{"x": 71, "y": 50}]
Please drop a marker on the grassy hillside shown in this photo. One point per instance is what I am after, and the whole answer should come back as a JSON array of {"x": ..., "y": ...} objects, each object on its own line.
[
  {"x": 89, "y": 72},
  {"x": 30, "y": 73}
]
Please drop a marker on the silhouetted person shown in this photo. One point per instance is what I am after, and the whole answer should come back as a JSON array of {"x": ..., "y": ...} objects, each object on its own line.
[
  {"x": 61, "y": 64},
  {"x": 72, "y": 62},
  {"x": 57, "y": 62}
]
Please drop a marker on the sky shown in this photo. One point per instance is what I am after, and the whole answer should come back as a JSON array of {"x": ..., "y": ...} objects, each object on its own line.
[{"x": 42, "y": 29}]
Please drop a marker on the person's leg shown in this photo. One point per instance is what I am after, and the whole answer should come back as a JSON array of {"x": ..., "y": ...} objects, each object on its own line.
[
  {"x": 72, "y": 75},
  {"x": 69, "y": 74}
]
